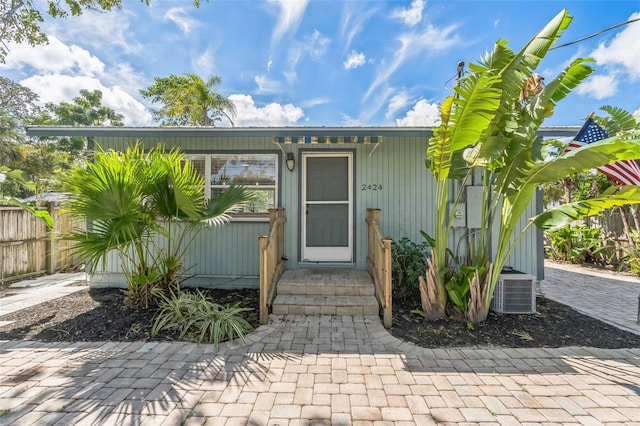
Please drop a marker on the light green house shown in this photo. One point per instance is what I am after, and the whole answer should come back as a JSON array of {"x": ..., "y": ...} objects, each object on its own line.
[{"x": 325, "y": 178}]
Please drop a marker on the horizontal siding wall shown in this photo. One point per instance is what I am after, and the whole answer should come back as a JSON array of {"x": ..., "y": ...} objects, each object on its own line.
[{"x": 406, "y": 201}]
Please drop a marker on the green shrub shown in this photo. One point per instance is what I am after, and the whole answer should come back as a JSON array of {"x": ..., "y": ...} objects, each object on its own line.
[
  {"x": 194, "y": 316},
  {"x": 632, "y": 257},
  {"x": 408, "y": 262},
  {"x": 578, "y": 244},
  {"x": 147, "y": 287}
]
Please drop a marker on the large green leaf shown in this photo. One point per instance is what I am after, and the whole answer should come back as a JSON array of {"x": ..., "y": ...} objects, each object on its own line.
[
  {"x": 514, "y": 130},
  {"x": 474, "y": 110},
  {"x": 521, "y": 148},
  {"x": 563, "y": 215},
  {"x": 528, "y": 58},
  {"x": 585, "y": 158},
  {"x": 439, "y": 149}
]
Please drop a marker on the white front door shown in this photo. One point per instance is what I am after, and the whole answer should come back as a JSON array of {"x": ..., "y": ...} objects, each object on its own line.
[{"x": 327, "y": 207}]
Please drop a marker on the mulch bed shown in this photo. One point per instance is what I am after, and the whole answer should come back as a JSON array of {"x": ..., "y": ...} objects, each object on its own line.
[{"x": 101, "y": 315}]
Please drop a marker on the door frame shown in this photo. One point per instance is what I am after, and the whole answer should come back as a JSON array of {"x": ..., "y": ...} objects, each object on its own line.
[{"x": 327, "y": 254}]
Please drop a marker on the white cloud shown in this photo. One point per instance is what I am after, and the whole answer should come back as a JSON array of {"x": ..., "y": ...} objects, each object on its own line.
[
  {"x": 354, "y": 60},
  {"x": 398, "y": 102},
  {"x": 55, "y": 57},
  {"x": 204, "y": 63},
  {"x": 349, "y": 121},
  {"x": 370, "y": 108},
  {"x": 249, "y": 114},
  {"x": 599, "y": 87},
  {"x": 423, "y": 113},
  {"x": 58, "y": 72},
  {"x": 114, "y": 26},
  {"x": 180, "y": 17},
  {"x": 353, "y": 21},
  {"x": 431, "y": 39},
  {"x": 266, "y": 85},
  {"x": 411, "y": 16},
  {"x": 623, "y": 50},
  {"x": 58, "y": 88},
  {"x": 316, "y": 45},
  {"x": 290, "y": 15},
  {"x": 310, "y": 103},
  {"x": 290, "y": 76},
  {"x": 123, "y": 75}
]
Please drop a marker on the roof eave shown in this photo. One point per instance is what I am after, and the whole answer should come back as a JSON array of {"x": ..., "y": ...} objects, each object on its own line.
[{"x": 553, "y": 131}]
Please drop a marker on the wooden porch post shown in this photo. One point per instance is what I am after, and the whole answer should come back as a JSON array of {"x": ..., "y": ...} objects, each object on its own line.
[{"x": 264, "y": 280}]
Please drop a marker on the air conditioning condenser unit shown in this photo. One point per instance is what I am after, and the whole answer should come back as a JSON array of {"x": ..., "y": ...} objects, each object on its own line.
[{"x": 515, "y": 293}]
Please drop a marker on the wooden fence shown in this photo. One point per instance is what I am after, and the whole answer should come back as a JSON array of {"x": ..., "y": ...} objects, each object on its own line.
[
  {"x": 28, "y": 248},
  {"x": 379, "y": 263},
  {"x": 612, "y": 223},
  {"x": 271, "y": 261}
]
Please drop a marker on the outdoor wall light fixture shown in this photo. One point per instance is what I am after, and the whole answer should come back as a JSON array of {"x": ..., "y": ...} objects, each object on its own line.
[{"x": 291, "y": 161}]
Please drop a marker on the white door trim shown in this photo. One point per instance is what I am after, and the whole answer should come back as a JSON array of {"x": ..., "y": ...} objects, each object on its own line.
[{"x": 327, "y": 254}]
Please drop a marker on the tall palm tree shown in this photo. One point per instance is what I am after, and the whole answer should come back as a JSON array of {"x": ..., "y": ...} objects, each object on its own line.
[
  {"x": 189, "y": 100},
  {"x": 205, "y": 105}
]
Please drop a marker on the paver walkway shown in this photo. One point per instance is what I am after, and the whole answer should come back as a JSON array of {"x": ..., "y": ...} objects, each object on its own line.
[
  {"x": 326, "y": 370},
  {"x": 23, "y": 294},
  {"x": 609, "y": 297}
]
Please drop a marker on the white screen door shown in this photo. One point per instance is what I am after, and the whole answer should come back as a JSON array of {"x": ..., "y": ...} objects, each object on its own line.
[{"x": 327, "y": 207}]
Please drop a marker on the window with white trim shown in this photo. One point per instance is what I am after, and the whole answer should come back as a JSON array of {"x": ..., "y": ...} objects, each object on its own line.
[{"x": 255, "y": 171}]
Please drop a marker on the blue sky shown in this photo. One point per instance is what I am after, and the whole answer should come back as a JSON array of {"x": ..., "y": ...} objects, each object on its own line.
[{"x": 321, "y": 62}]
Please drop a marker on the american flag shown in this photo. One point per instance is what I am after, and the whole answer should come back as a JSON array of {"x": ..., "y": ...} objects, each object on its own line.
[{"x": 624, "y": 172}]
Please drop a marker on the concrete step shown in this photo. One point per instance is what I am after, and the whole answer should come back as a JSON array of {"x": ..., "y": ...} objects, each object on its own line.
[
  {"x": 326, "y": 289},
  {"x": 324, "y": 305}
]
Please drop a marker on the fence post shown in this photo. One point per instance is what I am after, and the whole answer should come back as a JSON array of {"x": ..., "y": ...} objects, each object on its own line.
[{"x": 51, "y": 251}]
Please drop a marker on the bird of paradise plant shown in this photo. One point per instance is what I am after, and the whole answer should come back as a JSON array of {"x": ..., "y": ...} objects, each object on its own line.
[{"x": 487, "y": 125}]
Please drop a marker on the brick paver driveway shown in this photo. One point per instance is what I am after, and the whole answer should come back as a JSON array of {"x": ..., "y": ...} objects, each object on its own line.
[{"x": 314, "y": 371}]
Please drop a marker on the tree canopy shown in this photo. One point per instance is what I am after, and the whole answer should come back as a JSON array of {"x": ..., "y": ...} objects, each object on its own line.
[
  {"x": 34, "y": 165},
  {"x": 188, "y": 100},
  {"x": 17, "y": 100},
  {"x": 20, "y": 20}
]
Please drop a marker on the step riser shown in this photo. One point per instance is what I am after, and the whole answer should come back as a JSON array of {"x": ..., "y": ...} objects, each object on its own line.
[
  {"x": 324, "y": 310},
  {"x": 325, "y": 290},
  {"x": 325, "y": 305}
]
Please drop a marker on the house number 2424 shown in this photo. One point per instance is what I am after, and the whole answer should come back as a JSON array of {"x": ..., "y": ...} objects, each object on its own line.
[{"x": 371, "y": 187}]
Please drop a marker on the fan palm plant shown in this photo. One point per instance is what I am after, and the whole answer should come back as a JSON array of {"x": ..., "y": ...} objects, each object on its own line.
[
  {"x": 147, "y": 207},
  {"x": 489, "y": 125}
]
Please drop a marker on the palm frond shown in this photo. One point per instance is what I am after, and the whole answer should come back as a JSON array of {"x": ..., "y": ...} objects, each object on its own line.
[
  {"x": 619, "y": 120},
  {"x": 231, "y": 200}
]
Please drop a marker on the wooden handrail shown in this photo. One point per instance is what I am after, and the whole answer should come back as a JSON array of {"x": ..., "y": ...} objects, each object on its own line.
[
  {"x": 379, "y": 264},
  {"x": 271, "y": 261}
]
